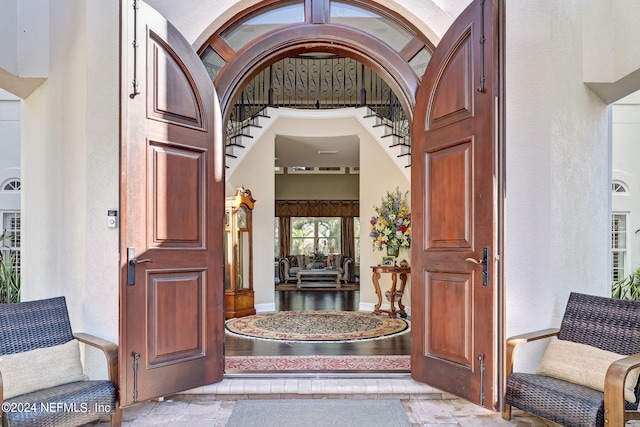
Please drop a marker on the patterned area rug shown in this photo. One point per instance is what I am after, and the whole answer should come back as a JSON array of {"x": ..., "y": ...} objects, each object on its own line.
[
  {"x": 316, "y": 326},
  {"x": 318, "y": 363}
]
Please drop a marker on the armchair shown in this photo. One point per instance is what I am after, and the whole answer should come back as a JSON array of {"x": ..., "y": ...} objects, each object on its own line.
[
  {"x": 41, "y": 377},
  {"x": 588, "y": 375}
]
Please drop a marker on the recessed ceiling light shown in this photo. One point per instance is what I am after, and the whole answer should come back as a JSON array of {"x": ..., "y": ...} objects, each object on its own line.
[{"x": 327, "y": 152}]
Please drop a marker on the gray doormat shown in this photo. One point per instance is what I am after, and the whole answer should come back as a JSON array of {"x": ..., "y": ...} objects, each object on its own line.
[{"x": 318, "y": 413}]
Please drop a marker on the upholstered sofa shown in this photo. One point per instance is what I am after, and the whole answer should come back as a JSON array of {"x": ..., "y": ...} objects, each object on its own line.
[{"x": 289, "y": 266}]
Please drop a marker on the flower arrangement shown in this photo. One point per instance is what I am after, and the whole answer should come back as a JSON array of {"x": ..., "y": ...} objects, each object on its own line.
[
  {"x": 391, "y": 227},
  {"x": 317, "y": 256}
]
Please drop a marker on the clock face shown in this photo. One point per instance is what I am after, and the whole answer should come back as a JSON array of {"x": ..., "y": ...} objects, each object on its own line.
[{"x": 242, "y": 217}]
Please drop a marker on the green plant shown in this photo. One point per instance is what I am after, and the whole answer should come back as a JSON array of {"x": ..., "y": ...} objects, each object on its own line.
[
  {"x": 9, "y": 274},
  {"x": 627, "y": 288}
]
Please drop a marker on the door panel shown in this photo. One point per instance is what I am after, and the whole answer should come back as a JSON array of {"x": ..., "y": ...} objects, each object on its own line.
[
  {"x": 449, "y": 295},
  {"x": 453, "y": 98},
  {"x": 176, "y": 319},
  {"x": 172, "y": 203},
  {"x": 172, "y": 170},
  {"x": 454, "y": 210},
  {"x": 449, "y": 205}
]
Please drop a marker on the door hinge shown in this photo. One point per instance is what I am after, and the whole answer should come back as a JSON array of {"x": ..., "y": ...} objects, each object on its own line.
[
  {"x": 136, "y": 357},
  {"x": 482, "y": 41},
  {"x": 481, "y": 360},
  {"x": 135, "y": 50}
]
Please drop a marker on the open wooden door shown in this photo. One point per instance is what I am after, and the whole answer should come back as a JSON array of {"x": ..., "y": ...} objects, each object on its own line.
[
  {"x": 454, "y": 211},
  {"x": 172, "y": 207}
]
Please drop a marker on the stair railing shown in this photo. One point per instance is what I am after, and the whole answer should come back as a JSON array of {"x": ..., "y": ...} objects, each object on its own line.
[{"x": 312, "y": 82}]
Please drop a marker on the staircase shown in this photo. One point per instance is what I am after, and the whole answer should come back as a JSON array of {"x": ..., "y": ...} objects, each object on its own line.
[
  {"x": 396, "y": 135},
  {"x": 240, "y": 137}
]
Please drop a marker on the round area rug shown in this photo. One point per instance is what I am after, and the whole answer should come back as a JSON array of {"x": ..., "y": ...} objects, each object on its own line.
[{"x": 316, "y": 326}]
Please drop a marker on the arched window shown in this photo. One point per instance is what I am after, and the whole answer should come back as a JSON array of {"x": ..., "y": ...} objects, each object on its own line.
[
  {"x": 11, "y": 185},
  {"x": 619, "y": 187}
]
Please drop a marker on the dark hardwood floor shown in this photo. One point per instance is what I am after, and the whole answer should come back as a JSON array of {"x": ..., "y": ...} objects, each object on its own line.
[{"x": 315, "y": 300}]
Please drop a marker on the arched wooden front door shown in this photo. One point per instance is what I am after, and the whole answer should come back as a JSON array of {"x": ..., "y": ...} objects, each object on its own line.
[
  {"x": 172, "y": 204},
  {"x": 454, "y": 179}
]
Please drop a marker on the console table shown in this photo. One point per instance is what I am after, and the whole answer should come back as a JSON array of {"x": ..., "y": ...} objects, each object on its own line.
[{"x": 378, "y": 270}]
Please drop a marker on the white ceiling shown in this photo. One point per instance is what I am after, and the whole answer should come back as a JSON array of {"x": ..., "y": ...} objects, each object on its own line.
[{"x": 303, "y": 151}]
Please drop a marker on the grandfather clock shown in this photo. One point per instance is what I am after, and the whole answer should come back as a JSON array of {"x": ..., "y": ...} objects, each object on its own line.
[{"x": 238, "y": 270}]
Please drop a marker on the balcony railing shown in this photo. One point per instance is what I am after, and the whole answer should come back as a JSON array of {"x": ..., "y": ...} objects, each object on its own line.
[{"x": 319, "y": 83}]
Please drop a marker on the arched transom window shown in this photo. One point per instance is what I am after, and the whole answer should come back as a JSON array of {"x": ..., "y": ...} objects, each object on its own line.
[{"x": 11, "y": 185}]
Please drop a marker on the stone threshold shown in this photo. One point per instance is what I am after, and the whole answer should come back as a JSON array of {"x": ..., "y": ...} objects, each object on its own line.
[{"x": 314, "y": 386}]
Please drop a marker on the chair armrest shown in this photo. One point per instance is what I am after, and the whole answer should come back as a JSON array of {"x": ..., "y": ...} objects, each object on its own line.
[
  {"x": 614, "y": 406},
  {"x": 346, "y": 266},
  {"x": 109, "y": 349},
  {"x": 515, "y": 341}
]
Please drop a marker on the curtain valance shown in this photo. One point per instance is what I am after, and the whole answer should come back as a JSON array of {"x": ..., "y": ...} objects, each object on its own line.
[{"x": 304, "y": 208}]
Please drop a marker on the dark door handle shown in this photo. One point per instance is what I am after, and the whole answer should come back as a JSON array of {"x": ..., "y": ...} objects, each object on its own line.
[
  {"x": 132, "y": 261},
  {"x": 484, "y": 262}
]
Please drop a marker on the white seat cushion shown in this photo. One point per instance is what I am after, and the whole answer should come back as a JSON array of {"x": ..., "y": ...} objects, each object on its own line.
[
  {"x": 41, "y": 368},
  {"x": 584, "y": 365}
]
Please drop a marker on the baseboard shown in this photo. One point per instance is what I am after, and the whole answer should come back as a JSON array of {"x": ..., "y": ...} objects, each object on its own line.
[{"x": 266, "y": 308}]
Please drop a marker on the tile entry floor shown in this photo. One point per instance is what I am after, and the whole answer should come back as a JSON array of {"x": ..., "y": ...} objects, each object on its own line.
[{"x": 212, "y": 405}]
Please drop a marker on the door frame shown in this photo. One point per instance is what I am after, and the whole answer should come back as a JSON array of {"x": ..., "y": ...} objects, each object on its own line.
[{"x": 394, "y": 69}]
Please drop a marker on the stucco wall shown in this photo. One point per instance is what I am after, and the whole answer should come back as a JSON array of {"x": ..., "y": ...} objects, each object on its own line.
[
  {"x": 70, "y": 157},
  {"x": 558, "y": 168},
  {"x": 558, "y": 159}
]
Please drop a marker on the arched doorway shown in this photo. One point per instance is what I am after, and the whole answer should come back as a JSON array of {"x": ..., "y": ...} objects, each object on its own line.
[
  {"x": 258, "y": 41},
  {"x": 458, "y": 300}
]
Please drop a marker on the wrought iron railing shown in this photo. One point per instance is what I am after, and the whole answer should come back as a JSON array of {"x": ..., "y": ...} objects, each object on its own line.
[{"x": 319, "y": 83}]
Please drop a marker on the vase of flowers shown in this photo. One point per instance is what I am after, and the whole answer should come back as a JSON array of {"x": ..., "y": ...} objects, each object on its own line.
[
  {"x": 393, "y": 250},
  {"x": 391, "y": 226}
]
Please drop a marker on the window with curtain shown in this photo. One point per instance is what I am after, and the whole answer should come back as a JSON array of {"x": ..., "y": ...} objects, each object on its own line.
[{"x": 315, "y": 234}]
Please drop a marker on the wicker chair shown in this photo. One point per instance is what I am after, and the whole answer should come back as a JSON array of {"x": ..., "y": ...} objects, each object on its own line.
[
  {"x": 608, "y": 324},
  {"x": 40, "y": 327}
]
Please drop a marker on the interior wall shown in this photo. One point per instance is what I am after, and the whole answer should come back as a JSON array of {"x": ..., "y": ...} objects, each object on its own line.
[
  {"x": 317, "y": 186},
  {"x": 256, "y": 174},
  {"x": 379, "y": 175},
  {"x": 255, "y": 171}
]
